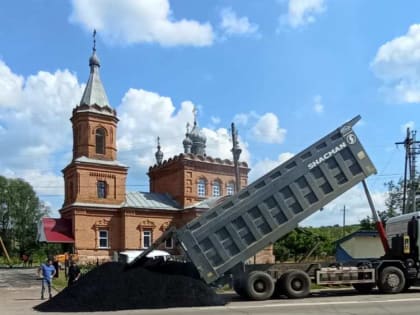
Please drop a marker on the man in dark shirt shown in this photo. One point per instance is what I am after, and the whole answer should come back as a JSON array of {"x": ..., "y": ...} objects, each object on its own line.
[{"x": 73, "y": 273}]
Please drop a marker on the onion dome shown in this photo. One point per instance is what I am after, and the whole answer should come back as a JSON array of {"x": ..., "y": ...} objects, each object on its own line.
[
  {"x": 187, "y": 143},
  {"x": 94, "y": 60},
  {"x": 198, "y": 138},
  {"x": 159, "y": 153}
]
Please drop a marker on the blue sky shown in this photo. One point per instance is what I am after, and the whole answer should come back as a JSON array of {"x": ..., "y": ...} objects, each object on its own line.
[{"x": 285, "y": 71}]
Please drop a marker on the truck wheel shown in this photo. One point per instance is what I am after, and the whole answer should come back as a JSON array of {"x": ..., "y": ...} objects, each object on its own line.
[
  {"x": 259, "y": 285},
  {"x": 295, "y": 284},
  {"x": 391, "y": 280},
  {"x": 238, "y": 286},
  {"x": 363, "y": 287}
]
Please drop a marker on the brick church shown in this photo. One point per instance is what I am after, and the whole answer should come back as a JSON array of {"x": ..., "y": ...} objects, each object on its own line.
[{"x": 99, "y": 217}]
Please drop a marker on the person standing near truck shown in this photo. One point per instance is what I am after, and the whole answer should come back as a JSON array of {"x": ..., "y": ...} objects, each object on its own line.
[
  {"x": 46, "y": 272},
  {"x": 73, "y": 273}
]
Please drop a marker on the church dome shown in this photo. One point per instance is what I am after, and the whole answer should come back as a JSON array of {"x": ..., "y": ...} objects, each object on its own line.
[
  {"x": 94, "y": 60},
  {"x": 187, "y": 141},
  {"x": 159, "y": 153},
  {"x": 195, "y": 140},
  {"x": 197, "y": 135}
]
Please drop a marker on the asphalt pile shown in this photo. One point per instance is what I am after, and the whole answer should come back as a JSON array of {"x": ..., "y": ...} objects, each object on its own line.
[{"x": 111, "y": 287}]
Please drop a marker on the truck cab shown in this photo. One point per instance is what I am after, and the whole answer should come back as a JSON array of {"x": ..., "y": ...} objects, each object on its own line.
[{"x": 402, "y": 234}]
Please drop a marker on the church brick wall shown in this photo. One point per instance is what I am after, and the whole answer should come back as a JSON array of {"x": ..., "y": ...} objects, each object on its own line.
[
  {"x": 87, "y": 224},
  {"x": 179, "y": 177},
  {"x": 81, "y": 184}
]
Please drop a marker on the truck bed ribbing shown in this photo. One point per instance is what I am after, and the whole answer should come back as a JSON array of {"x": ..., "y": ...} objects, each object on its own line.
[{"x": 266, "y": 210}]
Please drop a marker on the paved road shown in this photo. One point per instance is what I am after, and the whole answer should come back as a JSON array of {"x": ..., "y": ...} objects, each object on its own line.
[
  {"x": 18, "y": 278},
  {"x": 19, "y": 292}
]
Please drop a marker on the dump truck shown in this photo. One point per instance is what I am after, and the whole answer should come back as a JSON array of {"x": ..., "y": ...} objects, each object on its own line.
[{"x": 221, "y": 240}]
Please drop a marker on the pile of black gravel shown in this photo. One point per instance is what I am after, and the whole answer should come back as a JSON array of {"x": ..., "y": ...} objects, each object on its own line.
[{"x": 111, "y": 287}]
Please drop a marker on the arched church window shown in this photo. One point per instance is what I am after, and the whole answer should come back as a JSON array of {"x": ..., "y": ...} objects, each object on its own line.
[
  {"x": 100, "y": 141},
  {"x": 230, "y": 188},
  {"x": 216, "y": 188},
  {"x": 201, "y": 187}
]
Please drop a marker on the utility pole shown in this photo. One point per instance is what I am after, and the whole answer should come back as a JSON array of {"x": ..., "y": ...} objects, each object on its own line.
[
  {"x": 412, "y": 148},
  {"x": 5, "y": 252},
  {"x": 236, "y": 151}
]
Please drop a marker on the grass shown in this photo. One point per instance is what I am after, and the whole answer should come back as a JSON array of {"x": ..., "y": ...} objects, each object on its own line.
[
  {"x": 17, "y": 262},
  {"x": 61, "y": 282}
]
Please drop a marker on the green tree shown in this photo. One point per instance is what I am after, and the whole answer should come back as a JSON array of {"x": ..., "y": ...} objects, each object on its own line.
[
  {"x": 320, "y": 242},
  {"x": 296, "y": 244},
  {"x": 393, "y": 204},
  {"x": 367, "y": 224},
  {"x": 20, "y": 213},
  {"x": 5, "y": 227}
]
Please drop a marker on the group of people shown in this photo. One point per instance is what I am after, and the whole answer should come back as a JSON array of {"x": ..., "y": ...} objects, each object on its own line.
[{"x": 47, "y": 271}]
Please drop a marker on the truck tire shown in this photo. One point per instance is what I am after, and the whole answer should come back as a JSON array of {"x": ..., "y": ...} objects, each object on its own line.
[
  {"x": 391, "y": 280},
  {"x": 259, "y": 285},
  {"x": 364, "y": 288},
  {"x": 295, "y": 284},
  {"x": 239, "y": 287}
]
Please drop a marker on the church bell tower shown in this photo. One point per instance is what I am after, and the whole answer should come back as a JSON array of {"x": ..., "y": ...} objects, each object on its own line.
[{"x": 94, "y": 175}]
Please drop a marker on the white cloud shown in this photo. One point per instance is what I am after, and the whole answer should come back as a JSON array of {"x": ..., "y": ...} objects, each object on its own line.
[
  {"x": 318, "y": 105},
  {"x": 267, "y": 129},
  {"x": 231, "y": 24},
  {"x": 264, "y": 166},
  {"x": 242, "y": 119},
  {"x": 135, "y": 21},
  {"x": 34, "y": 119},
  {"x": 11, "y": 86},
  {"x": 215, "y": 120},
  {"x": 150, "y": 115},
  {"x": 302, "y": 12},
  {"x": 219, "y": 144},
  {"x": 45, "y": 183},
  {"x": 263, "y": 128},
  {"x": 397, "y": 64},
  {"x": 357, "y": 208}
]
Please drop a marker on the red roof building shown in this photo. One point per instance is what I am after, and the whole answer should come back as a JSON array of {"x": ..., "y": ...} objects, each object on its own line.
[{"x": 52, "y": 230}]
